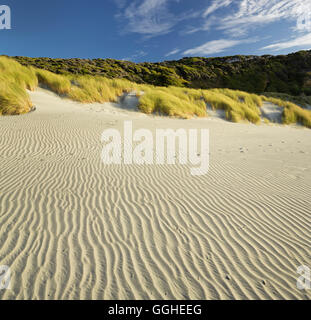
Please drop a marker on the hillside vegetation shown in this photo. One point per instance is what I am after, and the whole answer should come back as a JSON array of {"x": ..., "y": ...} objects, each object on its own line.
[
  {"x": 171, "y": 101},
  {"x": 288, "y": 74}
]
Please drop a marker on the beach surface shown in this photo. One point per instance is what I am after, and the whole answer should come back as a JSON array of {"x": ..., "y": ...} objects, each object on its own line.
[{"x": 72, "y": 227}]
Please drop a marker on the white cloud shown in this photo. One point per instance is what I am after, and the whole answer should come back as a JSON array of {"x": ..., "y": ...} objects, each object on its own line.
[
  {"x": 154, "y": 17},
  {"x": 149, "y": 17},
  {"x": 216, "y": 4},
  {"x": 173, "y": 52},
  {"x": 215, "y": 46},
  {"x": 303, "y": 41},
  {"x": 136, "y": 55},
  {"x": 247, "y": 14}
]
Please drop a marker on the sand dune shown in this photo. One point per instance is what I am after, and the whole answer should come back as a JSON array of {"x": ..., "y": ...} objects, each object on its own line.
[{"x": 73, "y": 228}]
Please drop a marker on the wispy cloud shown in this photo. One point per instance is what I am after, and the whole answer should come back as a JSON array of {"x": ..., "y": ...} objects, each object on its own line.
[
  {"x": 147, "y": 17},
  {"x": 215, "y": 46},
  {"x": 248, "y": 14},
  {"x": 151, "y": 17},
  {"x": 136, "y": 55},
  {"x": 173, "y": 52},
  {"x": 304, "y": 42},
  {"x": 216, "y": 4}
]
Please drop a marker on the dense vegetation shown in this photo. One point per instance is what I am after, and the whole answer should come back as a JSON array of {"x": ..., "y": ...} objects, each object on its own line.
[
  {"x": 288, "y": 74},
  {"x": 172, "y": 100}
]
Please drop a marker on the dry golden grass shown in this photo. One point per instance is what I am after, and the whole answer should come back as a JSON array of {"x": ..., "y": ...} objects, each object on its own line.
[
  {"x": 291, "y": 112},
  {"x": 14, "y": 80},
  {"x": 88, "y": 89},
  {"x": 14, "y": 99},
  {"x": 171, "y": 101},
  {"x": 57, "y": 83},
  {"x": 167, "y": 102},
  {"x": 182, "y": 102},
  {"x": 302, "y": 100},
  {"x": 236, "y": 109}
]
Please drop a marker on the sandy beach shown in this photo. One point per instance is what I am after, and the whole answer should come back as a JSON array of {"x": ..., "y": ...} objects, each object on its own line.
[{"x": 74, "y": 228}]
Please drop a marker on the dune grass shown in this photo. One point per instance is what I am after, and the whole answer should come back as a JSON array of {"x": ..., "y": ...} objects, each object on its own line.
[
  {"x": 183, "y": 102},
  {"x": 14, "y": 99},
  {"x": 171, "y": 101},
  {"x": 57, "y": 83},
  {"x": 291, "y": 112},
  {"x": 85, "y": 89},
  {"x": 237, "y": 105},
  {"x": 12, "y": 71},
  {"x": 241, "y": 96},
  {"x": 167, "y": 102},
  {"x": 302, "y": 100},
  {"x": 14, "y": 80},
  {"x": 89, "y": 89}
]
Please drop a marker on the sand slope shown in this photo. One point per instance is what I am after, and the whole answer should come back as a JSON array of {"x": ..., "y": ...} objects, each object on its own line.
[{"x": 72, "y": 228}]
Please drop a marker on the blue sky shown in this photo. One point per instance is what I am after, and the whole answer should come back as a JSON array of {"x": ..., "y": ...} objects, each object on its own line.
[{"x": 155, "y": 30}]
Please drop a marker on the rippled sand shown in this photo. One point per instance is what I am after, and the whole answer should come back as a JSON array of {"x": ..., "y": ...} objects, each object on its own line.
[{"x": 73, "y": 228}]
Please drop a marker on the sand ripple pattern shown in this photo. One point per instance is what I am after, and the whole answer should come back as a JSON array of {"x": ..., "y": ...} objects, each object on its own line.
[{"x": 73, "y": 228}]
